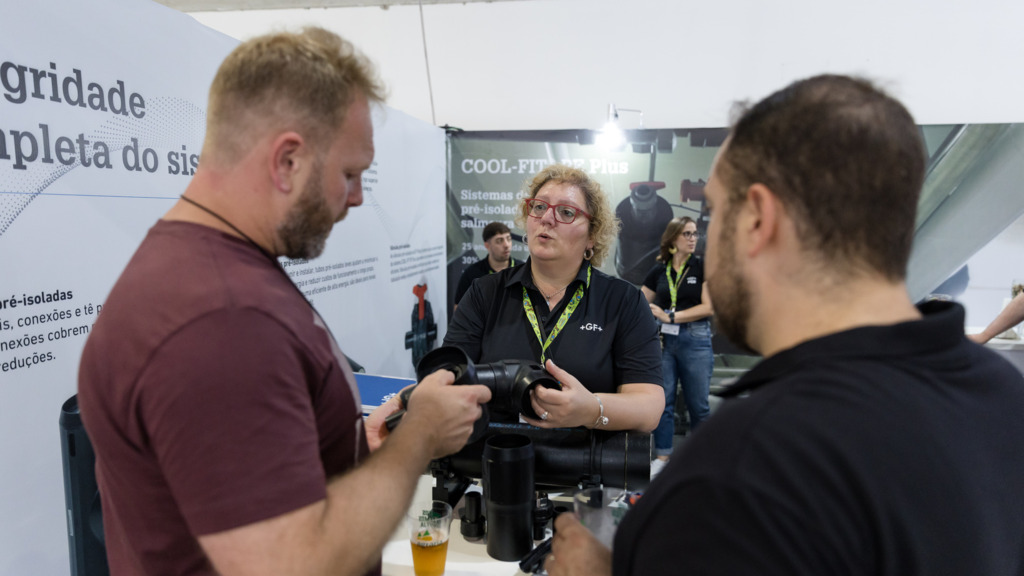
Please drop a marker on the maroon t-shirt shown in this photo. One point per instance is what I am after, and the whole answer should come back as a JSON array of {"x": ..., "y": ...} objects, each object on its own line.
[{"x": 214, "y": 398}]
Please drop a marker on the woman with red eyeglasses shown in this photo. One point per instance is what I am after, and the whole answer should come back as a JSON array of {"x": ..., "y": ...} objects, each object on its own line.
[
  {"x": 679, "y": 301},
  {"x": 591, "y": 331}
]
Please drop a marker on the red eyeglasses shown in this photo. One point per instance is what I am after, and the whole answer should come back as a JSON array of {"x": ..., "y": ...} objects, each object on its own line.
[{"x": 563, "y": 212}]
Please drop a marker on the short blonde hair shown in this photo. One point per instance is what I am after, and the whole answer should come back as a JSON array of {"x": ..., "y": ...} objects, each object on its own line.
[
  {"x": 301, "y": 81},
  {"x": 604, "y": 225}
]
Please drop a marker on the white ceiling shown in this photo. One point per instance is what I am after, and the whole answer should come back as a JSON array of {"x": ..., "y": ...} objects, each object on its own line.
[{"x": 222, "y": 5}]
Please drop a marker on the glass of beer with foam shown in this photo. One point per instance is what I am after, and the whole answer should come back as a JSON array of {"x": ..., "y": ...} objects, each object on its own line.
[{"x": 429, "y": 524}]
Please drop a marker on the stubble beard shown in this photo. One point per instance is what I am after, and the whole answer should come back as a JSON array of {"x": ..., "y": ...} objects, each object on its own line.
[
  {"x": 305, "y": 229},
  {"x": 730, "y": 292}
]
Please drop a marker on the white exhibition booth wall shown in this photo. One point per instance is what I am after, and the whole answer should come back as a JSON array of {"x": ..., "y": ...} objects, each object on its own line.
[
  {"x": 556, "y": 64},
  {"x": 102, "y": 116}
]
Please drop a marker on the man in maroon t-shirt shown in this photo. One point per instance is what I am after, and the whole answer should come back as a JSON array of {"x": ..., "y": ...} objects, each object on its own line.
[{"x": 227, "y": 426}]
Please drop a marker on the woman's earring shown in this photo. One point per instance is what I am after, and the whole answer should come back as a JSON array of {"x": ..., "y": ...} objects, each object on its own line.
[
  {"x": 672, "y": 250},
  {"x": 588, "y": 253}
]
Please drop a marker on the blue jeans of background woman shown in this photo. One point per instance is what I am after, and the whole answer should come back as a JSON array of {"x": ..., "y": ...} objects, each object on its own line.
[{"x": 687, "y": 358}]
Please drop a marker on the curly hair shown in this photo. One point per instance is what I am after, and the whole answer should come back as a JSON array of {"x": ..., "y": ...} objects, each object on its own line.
[
  {"x": 668, "y": 239},
  {"x": 604, "y": 225}
]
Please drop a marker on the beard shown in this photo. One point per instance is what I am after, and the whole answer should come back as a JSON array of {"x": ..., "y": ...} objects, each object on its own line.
[
  {"x": 305, "y": 229},
  {"x": 730, "y": 292}
]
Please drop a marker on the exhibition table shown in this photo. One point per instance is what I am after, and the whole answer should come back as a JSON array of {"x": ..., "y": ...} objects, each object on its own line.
[{"x": 464, "y": 558}]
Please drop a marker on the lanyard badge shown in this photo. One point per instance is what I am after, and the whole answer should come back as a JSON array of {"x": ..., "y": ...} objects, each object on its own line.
[{"x": 531, "y": 315}]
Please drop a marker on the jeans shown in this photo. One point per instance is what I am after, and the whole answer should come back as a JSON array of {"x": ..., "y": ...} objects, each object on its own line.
[{"x": 687, "y": 358}]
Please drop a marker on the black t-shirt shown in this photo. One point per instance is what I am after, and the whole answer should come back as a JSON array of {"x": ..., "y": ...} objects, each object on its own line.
[
  {"x": 690, "y": 285},
  {"x": 481, "y": 267},
  {"x": 882, "y": 450},
  {"x": 609, "y": 340}
]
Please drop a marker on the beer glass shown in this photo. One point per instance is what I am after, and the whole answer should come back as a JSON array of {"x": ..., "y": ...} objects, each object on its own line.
[
  {"x": 429, "y": 524},
  {"x": 601, "y": 510}
]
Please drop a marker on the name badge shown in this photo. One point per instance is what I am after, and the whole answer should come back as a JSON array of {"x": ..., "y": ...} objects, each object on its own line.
[{"x": 672, "y": 329}]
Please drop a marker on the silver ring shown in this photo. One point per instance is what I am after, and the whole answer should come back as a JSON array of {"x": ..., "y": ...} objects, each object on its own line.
[{"x": 544, "y": 416}]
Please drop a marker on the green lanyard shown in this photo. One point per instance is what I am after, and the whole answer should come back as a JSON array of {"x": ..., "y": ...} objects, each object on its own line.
[
  {"x": 511, "y": 263},
  {"x": 562, "y": 320},
  {"x": 673, "y": 287}
]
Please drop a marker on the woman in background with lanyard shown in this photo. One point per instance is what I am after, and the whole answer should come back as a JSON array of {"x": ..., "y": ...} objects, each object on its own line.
[
  {"x": 678, "y": 298},
  {"x": 591, "y": 331}
]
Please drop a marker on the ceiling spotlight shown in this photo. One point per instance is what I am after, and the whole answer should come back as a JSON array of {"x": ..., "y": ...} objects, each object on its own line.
[{"x": 611, "y": 136}]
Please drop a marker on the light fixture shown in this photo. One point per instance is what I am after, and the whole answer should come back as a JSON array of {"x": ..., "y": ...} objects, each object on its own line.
[{"x": 611, "y": 136}]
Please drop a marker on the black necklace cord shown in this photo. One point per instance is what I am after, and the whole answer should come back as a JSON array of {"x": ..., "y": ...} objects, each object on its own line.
[
  {"x": 230, "y": 225},
  {"x": 270, "y": 257}
]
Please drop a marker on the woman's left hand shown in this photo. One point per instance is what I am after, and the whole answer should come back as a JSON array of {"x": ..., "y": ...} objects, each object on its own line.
[{"x": 571, "y": 406}]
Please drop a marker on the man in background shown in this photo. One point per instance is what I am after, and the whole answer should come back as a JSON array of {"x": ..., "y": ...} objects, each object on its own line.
[
  {"x": 873, "y": 438},
  {"x": 226, "y": 421},
  {"x": 498, "y": 241}
]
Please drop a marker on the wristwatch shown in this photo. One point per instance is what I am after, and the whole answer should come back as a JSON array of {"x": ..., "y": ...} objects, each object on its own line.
[{"x": 672, "y": 317}]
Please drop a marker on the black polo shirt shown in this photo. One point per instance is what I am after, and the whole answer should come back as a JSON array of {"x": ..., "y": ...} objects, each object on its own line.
[
  {"x": 881, "y": 450},
  {"x": 611, "y": 338},
  {"x": 480, "y": 268},
  {"x": 690, "y": 286}
]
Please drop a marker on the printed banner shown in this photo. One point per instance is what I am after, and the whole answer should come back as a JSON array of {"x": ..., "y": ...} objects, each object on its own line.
[
  {"x": 656, "y": 175},
  {"x": 102, "y": 116},
  {"x": 653, "y": 177}
]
